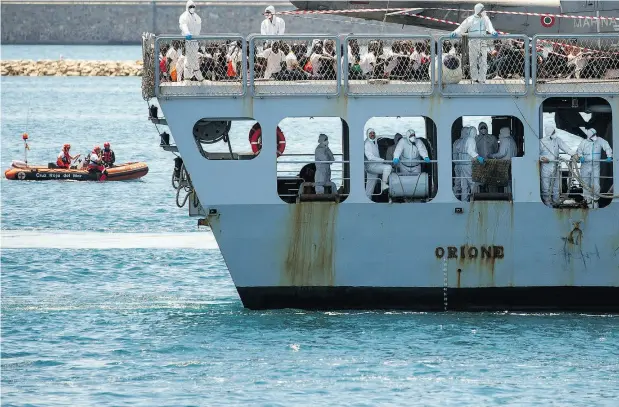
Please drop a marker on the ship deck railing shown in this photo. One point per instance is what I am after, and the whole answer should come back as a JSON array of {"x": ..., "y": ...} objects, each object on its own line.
[{"x": 233, "y": 66}]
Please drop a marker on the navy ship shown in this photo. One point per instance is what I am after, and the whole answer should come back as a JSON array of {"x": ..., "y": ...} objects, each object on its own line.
[{"x": 444, "y": 227}]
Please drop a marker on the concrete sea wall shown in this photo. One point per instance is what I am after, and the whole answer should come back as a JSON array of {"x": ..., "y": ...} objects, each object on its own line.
[
  {"x": 70, "y": 68},
  {"x": 123, "y": 22}
]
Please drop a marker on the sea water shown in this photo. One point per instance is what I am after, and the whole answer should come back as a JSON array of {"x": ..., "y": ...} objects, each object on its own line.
[{"x": 111, "y": 296}]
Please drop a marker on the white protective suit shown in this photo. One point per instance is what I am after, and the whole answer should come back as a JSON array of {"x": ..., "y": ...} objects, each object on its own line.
[
  {"x": 486, "y": 143},
  {"x": 323, "y": 170},
  {"x": 376, "y": 166},
  {"x": 507, "y": 146},
  {"x": 191, "y": 24},
  {"x": 507, "y": 149},
  {"x": 468, "y": 151},
  {"x": 477, "y": 27},
  {"x": 409, "y": 149},
  {"x": 274, "y": 26},
  {"x": 591, "y": 150},
  {"x": 549, "y": 148},
  {"x": 455, "y": 156}
]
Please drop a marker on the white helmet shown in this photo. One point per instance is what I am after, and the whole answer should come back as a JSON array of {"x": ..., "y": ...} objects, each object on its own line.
[
  {"x": 479, "y": 8},
  {"x": 269, "y": 9}
]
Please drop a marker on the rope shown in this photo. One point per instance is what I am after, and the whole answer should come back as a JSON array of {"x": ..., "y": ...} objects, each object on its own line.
[{"x": 184, "y": 184}]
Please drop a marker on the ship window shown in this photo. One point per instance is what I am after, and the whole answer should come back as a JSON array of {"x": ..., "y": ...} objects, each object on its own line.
[
  {"x": 497, "y": 139},
  {"x": 226, "y": 140},
  {"x": 412, "y": 179},
  {"x": 565, "y": 182},
  {"x": 298, "y": 178}
]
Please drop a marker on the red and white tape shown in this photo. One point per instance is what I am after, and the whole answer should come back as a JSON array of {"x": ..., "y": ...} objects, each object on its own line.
[
  {"x": 524, "y": 13},
  {"x": 407, "y": 11},
  {"x": 440, "y": 20},
  {"x": 359, "y": 10}
]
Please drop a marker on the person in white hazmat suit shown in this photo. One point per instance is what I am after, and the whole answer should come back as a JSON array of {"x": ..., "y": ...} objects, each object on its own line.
[
  {"x": 477, "y": 26},
  {"x": 455, "y": 156},
  {"x": 374, "y": 165},
  {"x": 549, "y": 148},
  {"x": 323, "y": 169},
  {"x": 468, "y": 151},
  {"x": 507, "y": 146},
  {"x": 407, "y": 150},
  {"x": 272, "y": 25},
  {"x": 507, "y": 150},
  {"x": 486, "y": 143},
  {"x": 590, "y": 153},
  {"x": 191, "y": 24}
]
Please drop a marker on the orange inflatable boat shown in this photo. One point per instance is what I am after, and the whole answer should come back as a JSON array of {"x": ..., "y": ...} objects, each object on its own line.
[{"x": 122, "y": 172}]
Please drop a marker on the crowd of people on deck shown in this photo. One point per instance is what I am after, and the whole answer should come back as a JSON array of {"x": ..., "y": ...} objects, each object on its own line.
[{"x": 489, "y": 57}]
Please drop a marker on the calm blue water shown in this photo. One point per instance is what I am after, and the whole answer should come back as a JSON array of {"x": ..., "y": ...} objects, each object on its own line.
[
  {"x": 84, "y": 112},
  {"x": 165, "y": 327},
  {"x": 103, "y": 324}
]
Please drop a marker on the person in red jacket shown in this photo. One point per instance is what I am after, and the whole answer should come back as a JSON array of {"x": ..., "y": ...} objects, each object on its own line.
[
  {"x": 108, "y": 155},
  {"x": 95, "y": 165},
  {"x": 64, "y": 158}
]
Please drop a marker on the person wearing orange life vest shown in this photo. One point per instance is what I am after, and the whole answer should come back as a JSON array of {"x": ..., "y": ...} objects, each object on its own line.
[
  {"x": 64, "y": 158},
  {"x": 108, "y": 155},
  {"x": 95, "y": 165}
]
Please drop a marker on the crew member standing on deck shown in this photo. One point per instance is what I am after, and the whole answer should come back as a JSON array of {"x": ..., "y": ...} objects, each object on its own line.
[
  {"x": 468, "y": 152},
  {"x": 590, "y": 154},
  {"x": 191, "y": 24},
  {"x": 408, "y": 152},
  {"x": 272, "y": 25},
  {"x": 477, "y": 26},
  {"x": 549, "y": 148},
  {"x": 323, "y": 157},
  {"x": 374, "y": 165}
]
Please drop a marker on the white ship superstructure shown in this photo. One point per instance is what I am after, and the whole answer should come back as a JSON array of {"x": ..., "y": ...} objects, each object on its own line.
[{"x": 418, "y": 244}]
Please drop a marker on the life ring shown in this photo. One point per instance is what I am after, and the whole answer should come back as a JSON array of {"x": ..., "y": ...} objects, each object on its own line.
[{"x": 255, "y": 139}]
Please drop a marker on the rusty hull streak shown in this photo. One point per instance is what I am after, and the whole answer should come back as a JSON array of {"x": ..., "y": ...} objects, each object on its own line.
[
  {"x": 309, "y": 258},
  {"x": 482, "y": 230},
  {"x": 575, "y": 218}
]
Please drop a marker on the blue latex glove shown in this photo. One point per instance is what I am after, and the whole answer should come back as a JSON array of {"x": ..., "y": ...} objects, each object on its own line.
[
  {"x": 396, "y": 161},
  {"x": 480, "y": 159},
  {"x": 188, "y": 37},
  {"x": 453, "y": 35},
  {"x": 609, "y": 159},
  {"x": 495, "y": 34},
  {"x": 582, "y": 160},
  {"x": 427, "y": 159}
]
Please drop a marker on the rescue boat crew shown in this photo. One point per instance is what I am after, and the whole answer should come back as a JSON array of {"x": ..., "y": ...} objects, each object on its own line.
[
  {"x": 64, "y": 158},
  {"x": 108, "y": 155},
  {"x": 95, "y": 165}
]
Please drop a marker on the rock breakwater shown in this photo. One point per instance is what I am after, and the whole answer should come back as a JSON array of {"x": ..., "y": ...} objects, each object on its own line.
[{"x": 70, "y": 68}]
